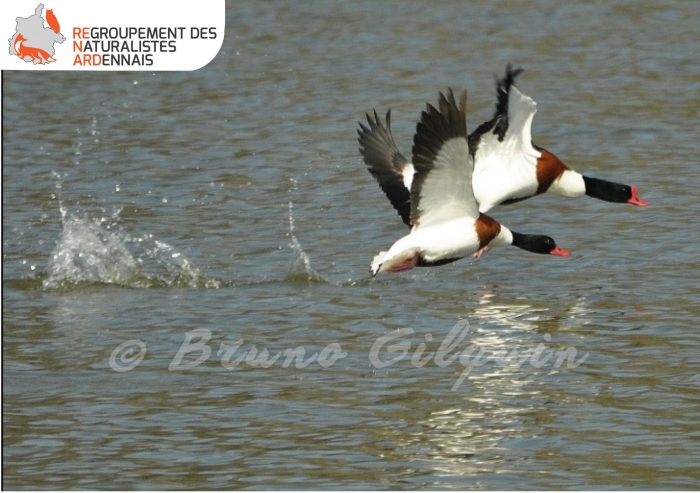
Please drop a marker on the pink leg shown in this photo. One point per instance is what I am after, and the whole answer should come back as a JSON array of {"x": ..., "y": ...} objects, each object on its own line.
[{"x": 481, "y": 251}]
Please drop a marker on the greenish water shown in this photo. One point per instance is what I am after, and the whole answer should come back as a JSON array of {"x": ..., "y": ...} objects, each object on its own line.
[{"x": 145, "y": 211}]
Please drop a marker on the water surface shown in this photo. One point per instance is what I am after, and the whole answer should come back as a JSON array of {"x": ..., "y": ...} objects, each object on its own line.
[{"x": 232, "y": 201}]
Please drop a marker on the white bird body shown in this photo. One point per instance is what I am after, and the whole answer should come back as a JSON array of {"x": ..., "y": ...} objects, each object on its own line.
[
  {"x": 453, "y": 239},
  {"x": 445, "y": 221}
]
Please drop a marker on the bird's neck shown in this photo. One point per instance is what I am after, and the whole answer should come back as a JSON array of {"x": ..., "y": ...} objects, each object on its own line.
[
  {"x": 607, "y": 190},
  {"x": 569, "y": 184}
]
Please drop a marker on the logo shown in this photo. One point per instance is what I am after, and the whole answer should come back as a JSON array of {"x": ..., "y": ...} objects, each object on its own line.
[
  {"x": 34, "y": 43},
  {"x": 111, "y": 34}
]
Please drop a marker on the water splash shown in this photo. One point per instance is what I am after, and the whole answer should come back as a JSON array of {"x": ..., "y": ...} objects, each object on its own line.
[
  {"x": 88, "y": 253},
  {"x": 168, "y": 266},
  {"x": 97, "y": 251},
  {"x": 301, "y": 268}
]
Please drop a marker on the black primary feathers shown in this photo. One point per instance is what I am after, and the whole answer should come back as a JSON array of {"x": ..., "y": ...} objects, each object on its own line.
[
  {"x": 434, "y": 129},
  {"x": 499, "y": 123},
  {"x": 437, "y": 127},
  {"x": 386, "y": 163}
]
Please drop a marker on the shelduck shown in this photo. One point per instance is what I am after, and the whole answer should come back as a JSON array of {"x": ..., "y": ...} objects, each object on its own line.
[
  {"x": 440, "y": 207},
  {"x": 509, "y": 167}
]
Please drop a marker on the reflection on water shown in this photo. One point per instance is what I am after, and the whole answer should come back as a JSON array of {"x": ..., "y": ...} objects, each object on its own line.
[
  {"x": 490, "y": 425},
  {"x": 501, "y": 405},
  {"x": 467, "y": 442},
  {"x": 516, "y": 316},
  {"x": 524, "y": 316}
]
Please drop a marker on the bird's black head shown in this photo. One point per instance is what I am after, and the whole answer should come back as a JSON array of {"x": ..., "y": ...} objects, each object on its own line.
[
  {"x": 612, "y": 192},
  {"x": 538, "y": 244}
]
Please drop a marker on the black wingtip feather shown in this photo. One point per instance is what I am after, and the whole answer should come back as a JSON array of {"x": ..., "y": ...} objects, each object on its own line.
[
  {"x": 499, "y": 123},
  {"x": 436, "y": 127},
  {"x": 385, "y": 162},
  {"x": 503, "y": 86}
]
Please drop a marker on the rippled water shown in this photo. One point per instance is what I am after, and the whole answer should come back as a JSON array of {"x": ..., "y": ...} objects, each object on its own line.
[{"x": 227, "y": 211}]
